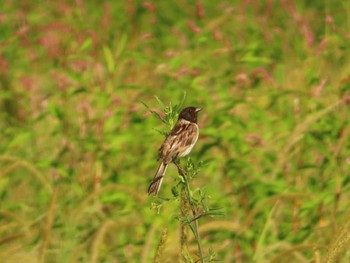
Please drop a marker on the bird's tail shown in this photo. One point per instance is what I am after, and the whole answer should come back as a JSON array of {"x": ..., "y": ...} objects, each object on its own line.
[{"x": 154, "y": 187}]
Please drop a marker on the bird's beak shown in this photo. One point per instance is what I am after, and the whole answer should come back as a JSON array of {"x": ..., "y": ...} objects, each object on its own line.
[{"x": 199, "y": 109}]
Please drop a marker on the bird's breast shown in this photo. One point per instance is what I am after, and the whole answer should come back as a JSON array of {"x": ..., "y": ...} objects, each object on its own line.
[{"x": 190, "y": 147}]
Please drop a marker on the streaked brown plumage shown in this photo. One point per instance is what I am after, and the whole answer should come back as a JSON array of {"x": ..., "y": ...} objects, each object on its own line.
[{"x": 177, "y": 144}]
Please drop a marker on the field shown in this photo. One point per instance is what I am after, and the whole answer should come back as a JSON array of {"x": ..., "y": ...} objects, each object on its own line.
[{"x": 88, "y": 89}]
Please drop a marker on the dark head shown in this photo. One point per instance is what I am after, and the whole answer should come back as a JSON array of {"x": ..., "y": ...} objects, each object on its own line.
[{"x": 189, "y": 114}]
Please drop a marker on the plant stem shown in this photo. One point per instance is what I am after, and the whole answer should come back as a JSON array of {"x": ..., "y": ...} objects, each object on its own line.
[
  {"x": 183, "y": 214},
  {"x": 186, "y": 193},
  {"x": 196, "y": 233},
  {"x": 161, "y": 246}
]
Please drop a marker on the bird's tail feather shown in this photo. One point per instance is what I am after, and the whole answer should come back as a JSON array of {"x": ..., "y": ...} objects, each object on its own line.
[{"x": 154, "y": 187}]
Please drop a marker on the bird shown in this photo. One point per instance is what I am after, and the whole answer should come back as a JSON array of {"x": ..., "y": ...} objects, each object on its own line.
[{"x": 177, "y": 144}]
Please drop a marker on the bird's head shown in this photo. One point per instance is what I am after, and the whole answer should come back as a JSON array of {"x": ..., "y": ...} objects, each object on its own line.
[{"x": 190, "y": 114}]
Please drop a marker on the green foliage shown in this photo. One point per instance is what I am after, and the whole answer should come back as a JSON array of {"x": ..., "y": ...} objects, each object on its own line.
[{"x": 78, "y": 146}]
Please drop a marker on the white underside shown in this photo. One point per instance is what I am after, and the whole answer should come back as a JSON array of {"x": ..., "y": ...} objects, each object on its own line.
[{"x": 189, "y": 149}]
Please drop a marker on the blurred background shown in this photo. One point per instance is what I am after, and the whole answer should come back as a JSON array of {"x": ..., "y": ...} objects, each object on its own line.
[{"x": 78, "y": 148}]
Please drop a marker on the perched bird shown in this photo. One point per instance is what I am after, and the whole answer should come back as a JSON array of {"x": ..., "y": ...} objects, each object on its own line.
[{"x": 177, "y": 144}]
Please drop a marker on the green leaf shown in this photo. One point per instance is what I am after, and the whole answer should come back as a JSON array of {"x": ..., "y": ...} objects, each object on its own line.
[
  {"x": 160, "y": 102},
  {"x": 109, "y": 59},
  {"x": 154, "y": 113},
  {"x": 20, "y": 139},
  {"x": 86, "y": 45},
  {"x": 122, "y": 44}
]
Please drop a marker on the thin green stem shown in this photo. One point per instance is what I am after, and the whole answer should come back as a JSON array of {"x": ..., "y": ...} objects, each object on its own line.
[
  {"x": 198, "y": 238},
  {"x": 195, "y": 226}
]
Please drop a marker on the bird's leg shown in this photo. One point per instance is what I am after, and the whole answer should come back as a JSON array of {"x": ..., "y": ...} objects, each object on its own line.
[{"x": 176, "y": 161}]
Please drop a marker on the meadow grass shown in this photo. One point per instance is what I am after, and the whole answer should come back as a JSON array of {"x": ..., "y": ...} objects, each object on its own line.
[{"x": 78, "y": 147}]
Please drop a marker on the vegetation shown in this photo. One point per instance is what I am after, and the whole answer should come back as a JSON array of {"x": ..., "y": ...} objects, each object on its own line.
[{"x": 269, "y": 174}]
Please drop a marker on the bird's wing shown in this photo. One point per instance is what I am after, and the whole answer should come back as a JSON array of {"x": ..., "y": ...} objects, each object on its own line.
[{"x": 183, "y": 135}]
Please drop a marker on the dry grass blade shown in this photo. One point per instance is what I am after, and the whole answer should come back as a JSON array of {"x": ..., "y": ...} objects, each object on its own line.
[
  {"x": 8, "y": 255},
  {"x": 46, "y": 232},
  {"x": 30, "y": 167},
  {"x": 219, "y": 225},
  {"x": 289, "y": 251},
  {"x": 161, "y": 246},
  {"x": 260, "y": 249},
  {"x": 340, "y": 242},
  {"x": 298, "y": 134},
  {"x": 99, "y": 239},
  {"x": 10, "y": 238},
  {"x": 147, "y": 246},
  {"x": 139, "y": 198},
  {"x": 272, "y": 200},
  {"x": 12, "y": 216},
  {"x": 184, "y": 212}
]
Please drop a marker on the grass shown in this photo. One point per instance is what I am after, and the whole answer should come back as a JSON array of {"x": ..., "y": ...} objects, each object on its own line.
[{"x": 78, "y": 148}]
